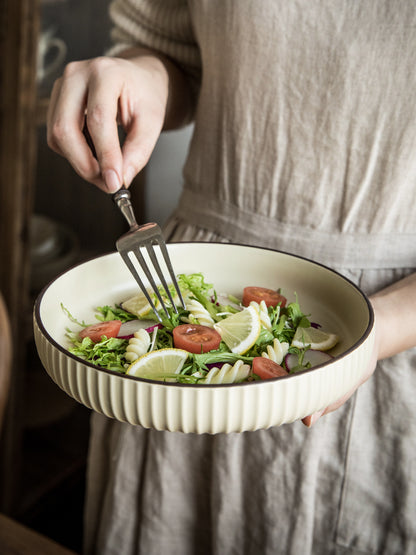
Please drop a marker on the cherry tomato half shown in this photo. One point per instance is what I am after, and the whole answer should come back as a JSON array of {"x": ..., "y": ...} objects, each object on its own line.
[
  {"x": 96, "y": 331},
  {"x": 266, "y": 368},
  {"x": 258, "y": 294},
  {"x": 195, "y": 338}
]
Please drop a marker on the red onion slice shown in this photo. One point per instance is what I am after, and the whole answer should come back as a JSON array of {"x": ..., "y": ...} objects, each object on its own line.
[{"x": 313, "y": 357}]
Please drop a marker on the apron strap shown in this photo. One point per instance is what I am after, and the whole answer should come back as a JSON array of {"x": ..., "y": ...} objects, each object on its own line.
[{"x": 332, "y": 248}]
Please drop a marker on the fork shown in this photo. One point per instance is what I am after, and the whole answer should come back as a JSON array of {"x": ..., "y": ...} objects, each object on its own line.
[{"x": 143, "y": 238}]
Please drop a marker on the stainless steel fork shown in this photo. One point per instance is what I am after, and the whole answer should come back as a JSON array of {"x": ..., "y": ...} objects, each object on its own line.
[{"x": 141, "y": 239}]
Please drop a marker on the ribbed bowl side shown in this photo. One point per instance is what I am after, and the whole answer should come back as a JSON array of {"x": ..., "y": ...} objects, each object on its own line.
[{"x": 204, "y": 409}]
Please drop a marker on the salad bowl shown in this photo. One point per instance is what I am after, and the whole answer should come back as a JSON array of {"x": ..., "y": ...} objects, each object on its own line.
[{"x": 330, "y": 299}]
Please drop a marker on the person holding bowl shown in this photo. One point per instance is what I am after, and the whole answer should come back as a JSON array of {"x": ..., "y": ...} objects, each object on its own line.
[{"x": 304, "y": 141}]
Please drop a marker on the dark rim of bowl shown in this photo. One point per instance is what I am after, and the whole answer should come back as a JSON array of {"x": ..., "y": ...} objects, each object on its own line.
[{"x": 363, "y": 337}]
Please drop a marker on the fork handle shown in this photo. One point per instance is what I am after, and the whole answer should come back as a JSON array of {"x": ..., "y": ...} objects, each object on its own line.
[{"x": 122, "y": 199}]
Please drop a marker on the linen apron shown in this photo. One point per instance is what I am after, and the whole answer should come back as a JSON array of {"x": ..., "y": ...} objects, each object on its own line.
[{"x": 305, "y": 141}]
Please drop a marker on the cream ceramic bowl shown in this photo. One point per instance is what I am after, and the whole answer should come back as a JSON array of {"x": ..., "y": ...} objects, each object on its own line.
[{"x": 331, "y": 300}]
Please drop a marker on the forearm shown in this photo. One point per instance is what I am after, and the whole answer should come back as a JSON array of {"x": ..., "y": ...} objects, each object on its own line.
[
  {"x": 395, "y": 321},
  {"x": 179, "y": 104},
  {"x": 395, "y": 313}
]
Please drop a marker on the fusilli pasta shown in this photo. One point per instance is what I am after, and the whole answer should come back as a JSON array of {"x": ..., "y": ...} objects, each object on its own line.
[
  {"x": 277, "y": 352},
  {"x": 198, "y": 314},
  {"x": 228, "y": 373},
  {"x": 138, "y": 345}
]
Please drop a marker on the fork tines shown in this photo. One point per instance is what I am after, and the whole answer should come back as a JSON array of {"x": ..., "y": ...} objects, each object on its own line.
[{"x": 137, "y": 243}]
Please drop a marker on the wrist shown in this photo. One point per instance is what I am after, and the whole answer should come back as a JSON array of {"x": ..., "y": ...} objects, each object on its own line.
[
  {"x": 394, "y": 310},
  {"x": 381, "y": 341},
  {"x": 170, "y": 78}
]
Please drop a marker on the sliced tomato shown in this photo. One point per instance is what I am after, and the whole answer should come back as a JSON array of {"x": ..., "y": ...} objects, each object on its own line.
[
  {"x": 266, "y": 368},
  {"x": 195, "y": 338},
  {"x": 96, "y": 331},
  {"x": 258, "y": 294}
]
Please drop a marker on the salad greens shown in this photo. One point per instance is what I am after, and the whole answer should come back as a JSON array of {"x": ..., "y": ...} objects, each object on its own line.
[{"x": 109, "y": 352}]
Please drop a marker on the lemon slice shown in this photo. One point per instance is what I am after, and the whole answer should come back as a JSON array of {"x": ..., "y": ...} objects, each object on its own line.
[
  {"x": 317, "y": 339},
  {"x": 159, "y": 365},
  {"x": 240, "y": 330},
  {"x": 139, "y": 305}
]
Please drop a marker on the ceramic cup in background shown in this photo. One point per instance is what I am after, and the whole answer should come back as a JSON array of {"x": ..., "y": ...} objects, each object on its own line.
[
  {"x": 53, "y": 249},
  {"x": 51, "y": 55}
]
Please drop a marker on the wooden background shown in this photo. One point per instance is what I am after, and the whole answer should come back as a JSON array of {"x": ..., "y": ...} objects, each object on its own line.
[{"x": 34, "y": 180}]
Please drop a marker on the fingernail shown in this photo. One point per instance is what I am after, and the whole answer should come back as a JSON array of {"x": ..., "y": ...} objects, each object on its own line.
[
  {"x": 111, "y": 180},
  {"x": 315, "y": 417},
  {"x": 129, "y": 175}
]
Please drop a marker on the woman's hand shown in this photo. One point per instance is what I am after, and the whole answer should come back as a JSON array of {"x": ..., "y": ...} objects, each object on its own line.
[
  {"x": 310, "y": 420},
  {"x": 395, "y": 331},
  {"x": 135, "y": 91}
]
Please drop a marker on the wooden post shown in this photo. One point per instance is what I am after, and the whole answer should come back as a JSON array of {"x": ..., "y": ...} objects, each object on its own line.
[{"x": 19, "y": 23}]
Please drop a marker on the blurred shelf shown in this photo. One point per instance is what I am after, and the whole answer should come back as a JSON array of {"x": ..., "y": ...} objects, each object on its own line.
[
  {"x": 53, "y": 478},
  {"x": 55, "y": 452},
  {"x": 42, "y": 105},
  {"x": 44, "y": 442}
]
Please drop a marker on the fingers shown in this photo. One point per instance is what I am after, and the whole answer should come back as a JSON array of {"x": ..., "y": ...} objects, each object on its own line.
[
  {"x": 103, "y": 91},
  {"x": 141, "y": 116},
  {"x": 65, "y": 122},
  {"x": 102, "y": 112},
  {"x": 138, "y": 147},
  {"x": 310, "y": 420}
]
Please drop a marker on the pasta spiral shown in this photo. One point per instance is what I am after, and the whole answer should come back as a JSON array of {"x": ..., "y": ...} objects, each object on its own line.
[
  {"x": 228, "y": 373},
  {"x": 277, "y": 352},
  {"x": 198, "y": 314},
  {"x": 138, "y": 345}
]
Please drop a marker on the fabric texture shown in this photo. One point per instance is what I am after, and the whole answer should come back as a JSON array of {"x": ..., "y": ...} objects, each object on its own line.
[{"x": 304, "y": 141}]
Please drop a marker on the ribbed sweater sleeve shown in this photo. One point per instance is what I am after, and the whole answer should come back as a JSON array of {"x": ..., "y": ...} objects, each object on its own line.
[{"x": 165, "y": 27}]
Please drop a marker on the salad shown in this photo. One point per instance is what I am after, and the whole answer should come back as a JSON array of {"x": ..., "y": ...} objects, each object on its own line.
[{"x": 214, "y": 339}]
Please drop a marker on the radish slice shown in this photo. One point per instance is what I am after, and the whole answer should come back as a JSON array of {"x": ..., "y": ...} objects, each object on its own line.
[
  {"x": 313, "y": 357},
  {"x": 224, "y": 300},
  {"x": 128, "y": 329}
]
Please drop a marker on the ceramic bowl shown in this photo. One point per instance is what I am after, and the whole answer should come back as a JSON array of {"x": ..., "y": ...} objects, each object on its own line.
[{"x": 331, "y": 299}]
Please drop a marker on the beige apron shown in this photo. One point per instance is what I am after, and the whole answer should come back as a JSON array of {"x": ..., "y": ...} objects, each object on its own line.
[{"x": 305, "y": 141}]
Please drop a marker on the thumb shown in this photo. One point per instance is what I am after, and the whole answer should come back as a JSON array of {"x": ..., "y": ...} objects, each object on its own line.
[{"x": 310, "y": 420}]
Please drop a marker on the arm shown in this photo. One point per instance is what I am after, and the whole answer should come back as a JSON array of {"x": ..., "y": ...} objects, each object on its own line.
[
  {"x": 395, "y": 325},
  {"x": 143, "y": 91},
  {"x": 395, "y": 311}
]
